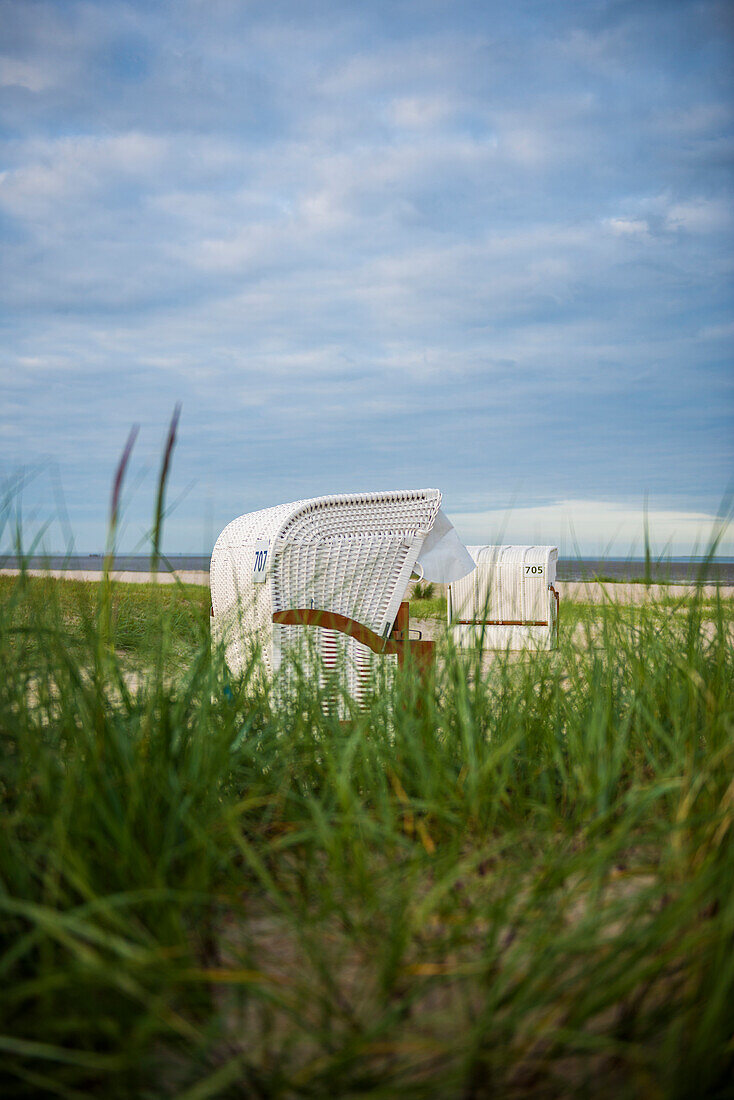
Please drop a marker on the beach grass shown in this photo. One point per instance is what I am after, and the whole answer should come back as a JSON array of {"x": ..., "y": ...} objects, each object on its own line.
[{"x": 512, "y": 878}]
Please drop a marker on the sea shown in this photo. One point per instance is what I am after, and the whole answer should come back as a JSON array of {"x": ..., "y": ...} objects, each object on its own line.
[{"x": 670, "y": 570}]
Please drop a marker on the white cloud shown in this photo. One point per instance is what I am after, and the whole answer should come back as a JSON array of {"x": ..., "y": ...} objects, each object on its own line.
[
  {"x": 699, "y": 215},
  {"x": 76, "y": 170},
  {"x": 15, "y": 72},
  {"x": 628, "y": 227},
  {"x": 421, "y": 61},
  {"x": 595, "y": 527},
  {"x": 660, "y": 214},
  {"x": 717, "y": 332},
  {"x": 420, "y": 111},
  {"x": 526, "y": 146}
]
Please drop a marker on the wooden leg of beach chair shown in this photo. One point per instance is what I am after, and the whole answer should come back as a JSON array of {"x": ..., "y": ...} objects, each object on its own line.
[{"x": 421, "y": 652}]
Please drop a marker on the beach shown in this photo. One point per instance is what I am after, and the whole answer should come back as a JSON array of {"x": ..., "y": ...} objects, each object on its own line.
[
  {"x": 127, "y": 576},
  {"x": 596, "y": 592}
]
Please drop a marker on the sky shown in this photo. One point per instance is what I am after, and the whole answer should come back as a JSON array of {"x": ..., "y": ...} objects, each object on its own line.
[{"x": 482, "y": 246}]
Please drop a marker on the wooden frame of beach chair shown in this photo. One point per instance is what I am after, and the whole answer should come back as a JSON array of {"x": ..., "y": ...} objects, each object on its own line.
[
  {"x": 338, "y": 566},
  {"x": 509, "y": 601}
]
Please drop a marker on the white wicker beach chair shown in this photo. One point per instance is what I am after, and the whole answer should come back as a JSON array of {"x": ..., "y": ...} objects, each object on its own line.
[
  {"x": 508, "y": 601},
  {"x": 338, "y": 565}
]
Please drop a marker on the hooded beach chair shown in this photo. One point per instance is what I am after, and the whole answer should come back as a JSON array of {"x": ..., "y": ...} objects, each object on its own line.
[
  {"x": 331, "y": 572},
  {"x": 508, "y": 601}
]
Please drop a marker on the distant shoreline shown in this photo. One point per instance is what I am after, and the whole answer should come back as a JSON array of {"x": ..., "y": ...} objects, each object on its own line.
[{"x": 610, "y": 570}]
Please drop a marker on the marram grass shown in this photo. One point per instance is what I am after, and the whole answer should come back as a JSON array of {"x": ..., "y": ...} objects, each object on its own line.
[{"x": 515, "y": 878}]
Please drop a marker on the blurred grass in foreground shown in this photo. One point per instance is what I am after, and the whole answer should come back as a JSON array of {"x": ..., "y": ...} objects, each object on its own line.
[{"x": 514, "y": 879}]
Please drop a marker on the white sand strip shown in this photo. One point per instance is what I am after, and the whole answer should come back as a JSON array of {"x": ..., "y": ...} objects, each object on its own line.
[
  {"x": 186, "y": 576},
  {"x": 574, "y": 591},
  {"x": 626, "y": 593}
]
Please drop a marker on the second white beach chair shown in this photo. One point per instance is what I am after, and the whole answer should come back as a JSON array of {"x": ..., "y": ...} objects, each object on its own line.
[{"x": 508, "y": 601}]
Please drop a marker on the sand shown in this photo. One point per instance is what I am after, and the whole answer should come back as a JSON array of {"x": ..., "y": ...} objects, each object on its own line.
[
  {"x": 128, "y": 576},
  {"x": 574, "y": 591},
  {"x": 624, "y": 592}
]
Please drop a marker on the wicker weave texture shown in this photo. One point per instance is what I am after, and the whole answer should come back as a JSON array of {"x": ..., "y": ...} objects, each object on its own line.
[
  {"x": 351, "y": 554},
  {"x": 510, "y": 585}
]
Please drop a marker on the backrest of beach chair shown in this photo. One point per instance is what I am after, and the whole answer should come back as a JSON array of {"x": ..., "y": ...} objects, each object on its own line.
[
  {"x": 509, "y": 601},
  {"x": 351, "y": 554}
]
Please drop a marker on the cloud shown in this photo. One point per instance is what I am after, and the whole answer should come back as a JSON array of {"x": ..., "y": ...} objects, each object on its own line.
[
  {"x": 629, "y": 227},
  {"x": 604, "y": 528},
  {"x": 67, "y": 175},
  {"x": 699, "y": 215},
  {"x": 418, "y": 112},
  {"x": 23, "y": 74},
  {"x": 366, "y": 249}
]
